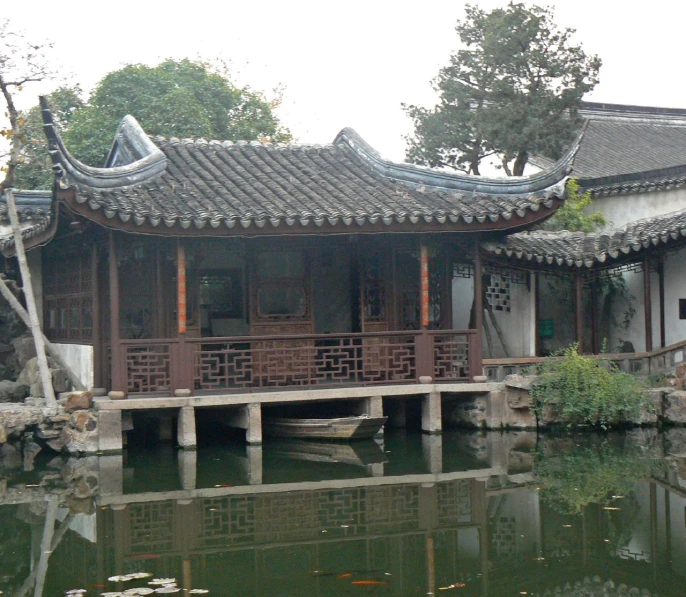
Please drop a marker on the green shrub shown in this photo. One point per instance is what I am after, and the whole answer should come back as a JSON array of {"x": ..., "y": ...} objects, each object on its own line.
[{"x": 588, "y": 391}]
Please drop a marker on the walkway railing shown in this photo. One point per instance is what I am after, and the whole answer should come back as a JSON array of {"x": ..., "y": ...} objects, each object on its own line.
[
  {"x": 246, "y": 363},
  {"x": 644, "y": 363}
]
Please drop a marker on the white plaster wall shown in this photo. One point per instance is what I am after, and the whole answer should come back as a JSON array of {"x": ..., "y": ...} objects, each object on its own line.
[
  {"x": 463, "y": 297},
  {"x": 517, "y": 325},
  {"x": 675, "y": 288},
  {"x": 79, "y": 357},
  {"x": 621, "y": 209}
]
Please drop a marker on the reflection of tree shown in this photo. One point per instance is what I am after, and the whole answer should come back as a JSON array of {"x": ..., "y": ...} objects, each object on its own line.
[{"x": 592, "y": 475}]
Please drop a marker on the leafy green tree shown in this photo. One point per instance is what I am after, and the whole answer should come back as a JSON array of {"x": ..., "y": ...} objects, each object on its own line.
[
  {"x": 35, "y": 168},
  {"x": 180, "y": 98},
  {"x": 571, "y": 216},
  {"x": 512, "y": 89}
]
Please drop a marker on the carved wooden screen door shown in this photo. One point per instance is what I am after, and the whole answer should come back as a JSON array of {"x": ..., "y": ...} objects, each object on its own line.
[{"x": 374, "y": 311}]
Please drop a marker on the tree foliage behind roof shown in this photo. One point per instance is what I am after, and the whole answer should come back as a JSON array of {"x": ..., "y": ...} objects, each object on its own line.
[
  {"x": 180, "y": 98},
  {"x": 512, "y": 89}
]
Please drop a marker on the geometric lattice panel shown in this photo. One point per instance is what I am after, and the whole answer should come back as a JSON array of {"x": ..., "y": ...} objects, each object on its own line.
[
  {"x": 498, "y": 293},
  {"x": 151, "y": 527}
]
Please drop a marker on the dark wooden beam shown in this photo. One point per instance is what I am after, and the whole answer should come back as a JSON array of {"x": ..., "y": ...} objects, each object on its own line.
[
  {"x": 477, "y": 346},
  {"x": 595, "y": 331},
  {"x": 579, "y": 306},
  {"x": 647, "y": 303},
  {"x": 96, "y": 338},
  {"x": 661, "y": 282},
  {"x": 118, "y": 370},
  {"x": 537, "y": 316}
]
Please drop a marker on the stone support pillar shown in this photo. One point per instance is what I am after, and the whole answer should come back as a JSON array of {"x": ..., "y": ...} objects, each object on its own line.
[
  {"x": 186, "y": 428},
  {"x": 431, "y": 413},
  {"x": 253, "y": 430},
  {"x": 372, "y": 406},
  {"x": 109, "y": 431}
]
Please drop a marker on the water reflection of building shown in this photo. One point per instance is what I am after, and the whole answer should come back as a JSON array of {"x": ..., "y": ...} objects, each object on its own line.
[{"x": 488, "y": 528}]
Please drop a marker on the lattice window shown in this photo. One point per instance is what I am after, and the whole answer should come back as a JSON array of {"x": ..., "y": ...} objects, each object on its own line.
[
  {"x": 67, "y": 296},
  {"x": 498, "y": 293}
]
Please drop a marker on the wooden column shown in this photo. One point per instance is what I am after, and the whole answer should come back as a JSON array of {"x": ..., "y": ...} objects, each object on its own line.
[
  {"x": 647, "y": 304},
  {"x": 537, "y": 315},
  {"x": 579, "y": 304},
  {"x": 95, "y": 311},
  {"x": 661, "y": 278},
  {"x": 595, "y": 332},
  {"x": 182, "y": 358},
  {"x": 118, "y": 380},
  {"x": 476, "y": 367},
  {"x": 424, "y": 285},
  {"x": 181, "y": 288}
]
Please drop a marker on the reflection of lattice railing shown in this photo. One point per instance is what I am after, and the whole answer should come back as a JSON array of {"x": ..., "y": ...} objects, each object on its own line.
[
  {"x": 151, "y": 527},
  {"x": 395, "y": 508},
  {"x": 451, "y": 356},
  {"x": 148, "y": 367},
  {"x": 454, "y": 502}
]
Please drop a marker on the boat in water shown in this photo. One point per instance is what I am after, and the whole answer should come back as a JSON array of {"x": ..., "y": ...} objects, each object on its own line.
[{"x": 339, "y": 428}]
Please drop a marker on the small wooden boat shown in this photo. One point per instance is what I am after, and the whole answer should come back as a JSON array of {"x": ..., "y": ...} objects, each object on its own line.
[{"x": 340, "y": 428}]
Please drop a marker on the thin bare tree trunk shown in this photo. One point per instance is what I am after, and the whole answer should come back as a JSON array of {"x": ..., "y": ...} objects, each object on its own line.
[
  {"x": 489, "y": 341},
  {"x": 498, "y": 331},
  {"x": 46, "y": 378},
  {"x": 52, "y": 351}
]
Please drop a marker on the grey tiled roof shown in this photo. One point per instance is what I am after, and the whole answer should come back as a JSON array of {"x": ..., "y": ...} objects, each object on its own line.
[
  {"x": 578, "y": 249},
  {"x": 222, "y": 185},
  {"x": 35, "y": 216},
  {"x": 629, "y": 149}
]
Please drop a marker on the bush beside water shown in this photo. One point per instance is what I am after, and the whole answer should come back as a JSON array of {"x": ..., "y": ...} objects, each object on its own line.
[{"x": 589, "y": 391}]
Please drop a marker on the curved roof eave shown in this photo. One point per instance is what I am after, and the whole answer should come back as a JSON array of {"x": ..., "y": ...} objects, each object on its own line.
[
  {"x": 151, "y": 162},
  {"x": 417, "y": 175}
]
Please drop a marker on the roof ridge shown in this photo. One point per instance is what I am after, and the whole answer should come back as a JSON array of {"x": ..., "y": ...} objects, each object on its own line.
[{"x": 227, "y": 143}]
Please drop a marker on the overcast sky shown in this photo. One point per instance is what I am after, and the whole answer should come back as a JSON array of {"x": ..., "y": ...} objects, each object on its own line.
[{"x": 347, "y": 63}]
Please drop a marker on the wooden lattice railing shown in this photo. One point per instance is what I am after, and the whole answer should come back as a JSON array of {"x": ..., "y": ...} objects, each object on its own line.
[{"x": 253, "y": 362}]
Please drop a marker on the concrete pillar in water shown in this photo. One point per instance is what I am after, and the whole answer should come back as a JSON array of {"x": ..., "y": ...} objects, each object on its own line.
[
  {"x": 254, "y": 455},
  {"x": 253, "y": 430},
  {"x": 186, "y": 428},
  {"x": 111, "y": 474},
  {"x": 431, "y": 413},
  {"x": 188, "y": 464},
  {"x": 372, "y": 406},
  {"x": 109, "y": 431},
  {"x": 432, "y": 448}
]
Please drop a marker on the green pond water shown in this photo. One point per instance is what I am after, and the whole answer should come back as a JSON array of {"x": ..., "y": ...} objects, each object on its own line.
[{"x": 464, "y": 513}]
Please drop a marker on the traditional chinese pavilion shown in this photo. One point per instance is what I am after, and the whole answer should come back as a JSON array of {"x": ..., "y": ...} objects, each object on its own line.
[{"x": 210, "y": 266}]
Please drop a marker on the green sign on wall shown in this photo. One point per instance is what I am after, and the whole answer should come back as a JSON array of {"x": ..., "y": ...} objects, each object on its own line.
[{"x": 546, "y": 328}]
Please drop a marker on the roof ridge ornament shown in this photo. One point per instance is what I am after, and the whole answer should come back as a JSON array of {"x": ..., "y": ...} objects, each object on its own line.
[{"x": 68, "y": 170}]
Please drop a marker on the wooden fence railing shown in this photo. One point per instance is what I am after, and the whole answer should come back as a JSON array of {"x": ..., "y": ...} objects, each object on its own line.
[{"x": 245, "y": 363}]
